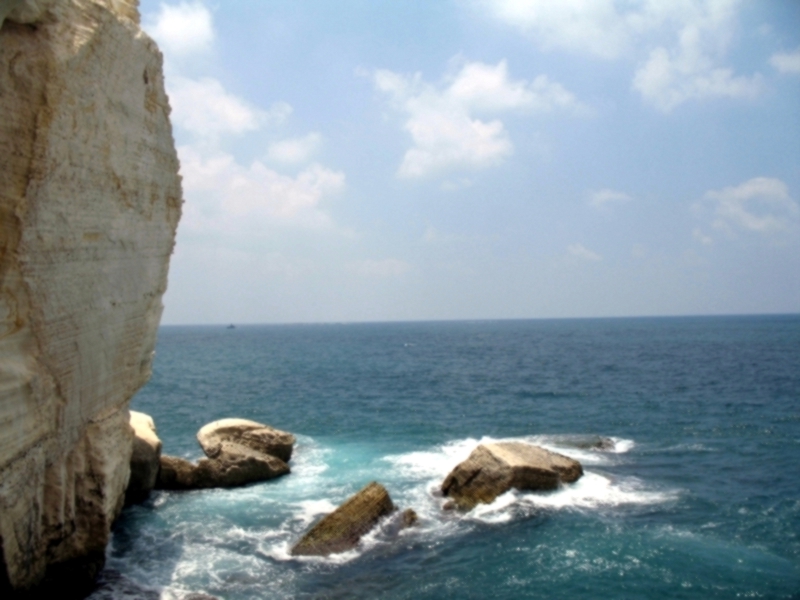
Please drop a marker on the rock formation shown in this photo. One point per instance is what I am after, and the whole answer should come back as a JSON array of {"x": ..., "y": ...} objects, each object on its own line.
[
  {"x": 239, "y": 452},
  {"x": 226, "y": 470},
  {"x": 229, "y": 435},
  {"x": 493, "y": 469},
  {"x": 145, "y": 458},
  {"x": 342, "y": 529},
  {"x": 89, "y": 202}
]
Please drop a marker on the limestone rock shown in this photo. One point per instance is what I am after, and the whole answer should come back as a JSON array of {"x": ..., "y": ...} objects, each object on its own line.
[
  {"x": 175, "y": 474},
  {"x": 218, "y": 436},
  {"x": 145, "y": 459},
  {"x": 89, "y": 201},
  {"x": 493, "y": 469},
  {"x": 341, "y": 530},
  {"x": 226, "y": 470}
]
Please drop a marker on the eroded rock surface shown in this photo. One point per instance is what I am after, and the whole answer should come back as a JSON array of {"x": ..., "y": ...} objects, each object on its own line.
[
  {"x": 226, "y": 470},
  {"x": 145, "y": 459},
  {"x": 342, "y": 529},
  {"x": 493, "y": 469},
  {"x": 89, "y": 201},
  {"x": 230, "y": 435}
]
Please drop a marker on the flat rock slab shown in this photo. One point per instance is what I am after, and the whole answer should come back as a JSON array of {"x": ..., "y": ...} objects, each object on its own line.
[
  {"x": 253, "y": 435},
  {"x": 493, "y": 469},
  {"x": 342, "y": 529}
]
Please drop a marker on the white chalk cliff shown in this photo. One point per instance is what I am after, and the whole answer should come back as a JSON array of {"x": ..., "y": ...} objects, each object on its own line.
[{"x": 90, "y": 199}]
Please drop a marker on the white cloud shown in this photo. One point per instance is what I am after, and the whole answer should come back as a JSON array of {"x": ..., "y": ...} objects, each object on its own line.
[
  {"x": 593, "y": 27},
  {"x": 182, "y": 29},
  {"x": 684, "y": 43},
  {"x": 760, "y": 205},
  {"x": 204, "y": 108},
  {"x": 669, "y": 79},
  {"x": 441, "y": 119},
  {"x": 581, "y": 252},
  {"x": 227, "y": 197},
  {"x": 606, "y": 197},
  {"x": 295, "y": 150},
  {"x": 786, "y": 62},
  {"x": 389, "y": 267}
]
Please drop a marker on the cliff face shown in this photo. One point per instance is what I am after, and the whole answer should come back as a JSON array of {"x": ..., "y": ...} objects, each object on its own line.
[{"x": 89, "y": 203}]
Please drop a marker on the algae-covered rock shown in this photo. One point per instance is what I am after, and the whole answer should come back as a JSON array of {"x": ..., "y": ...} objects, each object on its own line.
[{"x": 342, "y": 529}]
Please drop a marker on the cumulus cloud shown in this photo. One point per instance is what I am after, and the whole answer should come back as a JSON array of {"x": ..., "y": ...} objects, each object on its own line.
[
  {"x": 225, "y": 196},
  {"x": 228, "y": 197},
  {"x": 760, "y": 205},
  {"x": 448, "y": 123},
  {"x": 606, "y": 197},
  {"x": 204, "y": 108},
  {"x": 786, "y": 62},
  {"x": 581, "y": 252},
  {"x": 596, "y": 27},
  {"x": 182, "y": 29},
  {"x": 295, "y": 150},
  {"x": 684, "y": 44}
]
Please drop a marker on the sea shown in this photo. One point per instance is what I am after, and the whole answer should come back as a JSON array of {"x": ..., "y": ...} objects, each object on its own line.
[{"x": 697, "y": 494}]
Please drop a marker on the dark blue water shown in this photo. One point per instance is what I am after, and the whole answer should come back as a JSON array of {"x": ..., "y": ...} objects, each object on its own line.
[{"x": 700, "y": 497}]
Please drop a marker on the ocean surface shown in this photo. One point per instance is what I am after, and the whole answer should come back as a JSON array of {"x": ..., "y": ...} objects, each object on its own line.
[{"x": 699, "y": 497}]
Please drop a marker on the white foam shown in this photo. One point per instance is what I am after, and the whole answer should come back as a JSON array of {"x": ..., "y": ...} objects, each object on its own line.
[{"x": 311, "y": 509}]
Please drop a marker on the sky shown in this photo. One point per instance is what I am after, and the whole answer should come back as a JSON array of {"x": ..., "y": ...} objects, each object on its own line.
[{"x": 375, "y": 160}]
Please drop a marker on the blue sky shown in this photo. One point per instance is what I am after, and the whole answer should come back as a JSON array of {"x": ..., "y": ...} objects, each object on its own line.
[{"x": 480, "y": 159}]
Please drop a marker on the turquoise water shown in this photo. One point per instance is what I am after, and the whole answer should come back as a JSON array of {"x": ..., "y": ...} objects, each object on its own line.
[{"x": 700, "y": 497}]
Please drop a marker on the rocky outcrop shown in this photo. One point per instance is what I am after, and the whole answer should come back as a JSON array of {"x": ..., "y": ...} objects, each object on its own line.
[
  {"x": 226, "y": 470},
  {"x": 89, "y": 202},
  {"x": 239, "y": 452},
  {"x": 342, "y": 529},
  {"x": 230, "y": 435},
  {"x": 145, "y": 458},
  {"x": 493, "y": 469}
]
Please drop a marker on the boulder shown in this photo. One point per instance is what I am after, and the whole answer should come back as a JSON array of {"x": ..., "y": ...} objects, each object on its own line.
[
  {"x": 215, "y": 436},
  {"x": 226, "y": 470},
  {"x": 175, "y": 474},
  {"x": 342, "y": 529},
  {"x": 145, "y": 459},
  {"x": 493, "y": 469}
]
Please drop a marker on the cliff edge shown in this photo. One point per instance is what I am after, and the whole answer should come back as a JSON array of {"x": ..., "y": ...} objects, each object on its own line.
[{"x": 90, "y": 199}]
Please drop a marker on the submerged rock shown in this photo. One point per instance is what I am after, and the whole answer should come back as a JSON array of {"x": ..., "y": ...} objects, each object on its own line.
[
  {"x": 145, "y": 459},
  {"x": 493, "y": 469},
  {"x": 342, "y": 529},
  {"x": 228, "y": 436},
  {"x": 585, "y": 442}
]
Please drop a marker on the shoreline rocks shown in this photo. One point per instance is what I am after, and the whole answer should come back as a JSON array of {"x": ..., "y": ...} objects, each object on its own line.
[
  {"x": 493, "y": 469},
  {"x": 145, "y": 459},
  {"x": 239, "y": 452},
  {"x": 342, "y": 529},
  {"x": 230, "y": 435}
]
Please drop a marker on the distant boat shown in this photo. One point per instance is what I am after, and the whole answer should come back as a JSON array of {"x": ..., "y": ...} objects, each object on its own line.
[{"x": 231, "y": 326}]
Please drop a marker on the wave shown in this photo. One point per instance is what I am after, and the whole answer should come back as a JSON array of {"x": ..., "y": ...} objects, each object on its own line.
[{"x": 241, "y": 537}]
